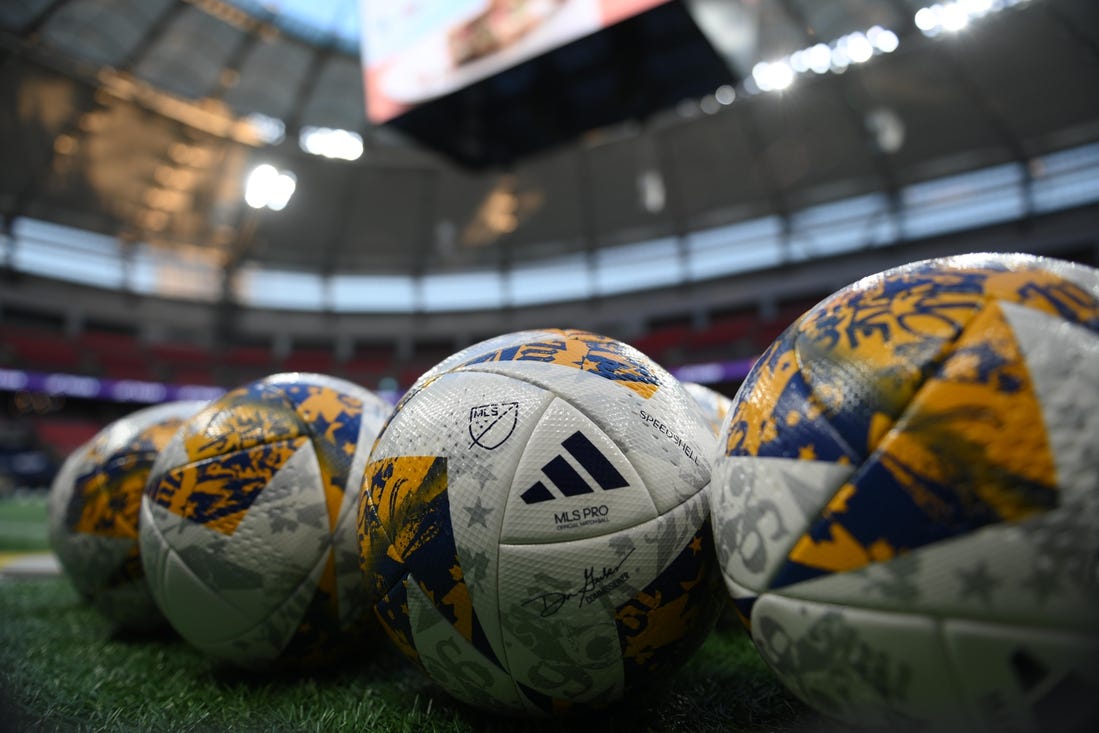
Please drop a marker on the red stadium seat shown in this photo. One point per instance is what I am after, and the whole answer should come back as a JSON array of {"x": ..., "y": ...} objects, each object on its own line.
[
  {"x": 119, "y": 355},
  {"x": 65, "y": 435},
  {"x": 43, "y": 351},
  {"x": 198, "y": 375},
  {"x": 320, "y": 361},
  {"x": 250, "y": 356},
  {"x": 663, "y": 344},
  {"x": 725, "y": 331}
]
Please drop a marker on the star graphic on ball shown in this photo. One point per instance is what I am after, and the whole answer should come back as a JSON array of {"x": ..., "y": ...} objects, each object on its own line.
[{"x": 478, "y": 513}]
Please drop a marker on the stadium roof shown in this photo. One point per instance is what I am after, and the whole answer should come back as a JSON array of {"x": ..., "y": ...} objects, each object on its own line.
[{"x": 141, "y": 120}]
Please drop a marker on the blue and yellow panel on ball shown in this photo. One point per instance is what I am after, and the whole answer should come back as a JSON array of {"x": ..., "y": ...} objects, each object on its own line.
[
  {"x": 251, "y": 520},
  {"x": 534, "y": 525},
  {"x": 93, "y": 512},
  {"x": 919, "y": 446}
]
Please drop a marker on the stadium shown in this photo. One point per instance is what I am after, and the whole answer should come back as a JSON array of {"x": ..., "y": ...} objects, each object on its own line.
[{"x": 199, "y": 194}]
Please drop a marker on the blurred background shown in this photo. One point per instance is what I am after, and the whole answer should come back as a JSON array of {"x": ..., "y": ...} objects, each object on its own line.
[{"x": 198, "y": 193}]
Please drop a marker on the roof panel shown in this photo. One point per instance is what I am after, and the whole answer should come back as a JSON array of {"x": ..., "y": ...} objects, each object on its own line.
[
  {"x": 102, "y": 31},
  {"x": 1026, "y": 74},
  {"x": 457, "y": 193},
  {"x": 939, "y": 119},
  {"x": 387, "y": 223},
  {"x": 348, "y": 218},
  {"x": 809, "y": 138},
  {"x": 276, "y": 58},
  {"x": 831, "y": 20},
  {"x": 716, "y": 172},
  {"x": 317, "y": 22},
  {"x": 16, "y": 14},
  {"x": 189, "y": 58},
  {"x": 779, "y": 33},
  {"x": 335, "y": 98},
  {"x": 300, "y": 235},
  {"x": 41, "y": 107},
  {"x": 614, "y": 188},
  {"x": 1027, "y": 91},
  {"x": 550, "y": 211}
]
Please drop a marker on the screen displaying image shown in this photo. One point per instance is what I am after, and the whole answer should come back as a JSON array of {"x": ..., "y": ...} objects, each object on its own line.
[{"x": 415, "y": 50}]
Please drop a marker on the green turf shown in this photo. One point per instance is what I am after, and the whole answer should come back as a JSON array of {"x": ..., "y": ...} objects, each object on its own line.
[
  {"x": 23, "y": 523},
  {"x": 62, "y": 668}
]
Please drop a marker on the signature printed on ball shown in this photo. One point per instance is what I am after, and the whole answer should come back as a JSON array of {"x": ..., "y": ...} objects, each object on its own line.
[{"x": 592, "y": 588}]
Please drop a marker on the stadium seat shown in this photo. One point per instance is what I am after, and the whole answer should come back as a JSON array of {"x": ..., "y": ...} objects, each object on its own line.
[
  {"x": 320, "y": 361},
  {"x": 65, "y": 435},
  {"x": 43, "y": 351},
  {"x": 118, "y": 355}
]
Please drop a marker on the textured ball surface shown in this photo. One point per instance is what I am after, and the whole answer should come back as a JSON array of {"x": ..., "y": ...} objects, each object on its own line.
[
  {"x": 248, "y": 521},
  {"x": 906, "y": 507},
  {"x": 714, "y": 405},
  {"x": 93, "y": 512},
  {"x": 535, "y": 526}
]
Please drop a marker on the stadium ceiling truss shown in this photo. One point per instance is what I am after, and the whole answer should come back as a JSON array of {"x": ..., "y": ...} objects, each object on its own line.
[{"x": 139, "y": 120}]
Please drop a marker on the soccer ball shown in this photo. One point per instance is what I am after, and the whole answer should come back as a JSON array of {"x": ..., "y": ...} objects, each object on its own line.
[
  {"x": 906, "y": 508},
  {"x": 248, "y": 521},
  {"x": 93, "y": 510},
  {"x": 715, "y": 406},
  {"x": 534, "y": 523}
]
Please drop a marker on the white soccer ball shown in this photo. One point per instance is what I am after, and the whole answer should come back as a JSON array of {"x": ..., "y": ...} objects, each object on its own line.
[
  {"x": 93, "y": 512},
  {"x": 248, "y": 521},
  {"x": 906, "y": 506},
  {"x": 534, "y": 524},
  {"x": 714, "y": 405}
]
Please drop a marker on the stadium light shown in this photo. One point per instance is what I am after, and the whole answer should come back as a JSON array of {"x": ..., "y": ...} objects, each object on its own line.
[
  {"x": 773, "y": 76},
  {"x": 859, "y": 48},
  {"x": 270, "y": 130},
  {"x": 331, "y": 142},
  {"x": 884, "y": 40},
  {"x": 955, "y": 16},
  {"x": 856, "y": 47},
  {"x": 269, "y": 187},
  {"x": 820, "y": 58}
]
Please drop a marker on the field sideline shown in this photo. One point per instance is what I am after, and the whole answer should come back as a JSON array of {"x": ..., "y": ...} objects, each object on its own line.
[
  {"x": 62, "y": 668},
  {"x": 23, "y": 522}
]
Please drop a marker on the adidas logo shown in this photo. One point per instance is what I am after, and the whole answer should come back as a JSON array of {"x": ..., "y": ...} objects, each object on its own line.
[{"x": 568, "y": 480}]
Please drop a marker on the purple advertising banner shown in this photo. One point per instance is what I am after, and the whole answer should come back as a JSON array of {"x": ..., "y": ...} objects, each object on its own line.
[
  {"x": 131, "y": 390},
  {"x": 714, "y": 372},
  {"x": 113, "y": 390}
]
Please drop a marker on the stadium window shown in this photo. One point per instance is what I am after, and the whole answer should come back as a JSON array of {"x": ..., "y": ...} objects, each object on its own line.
[
  {"x": 372, "y": 293},
  {"x": 462, "y": 291},
  {"x": 281, "y": 289}
]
